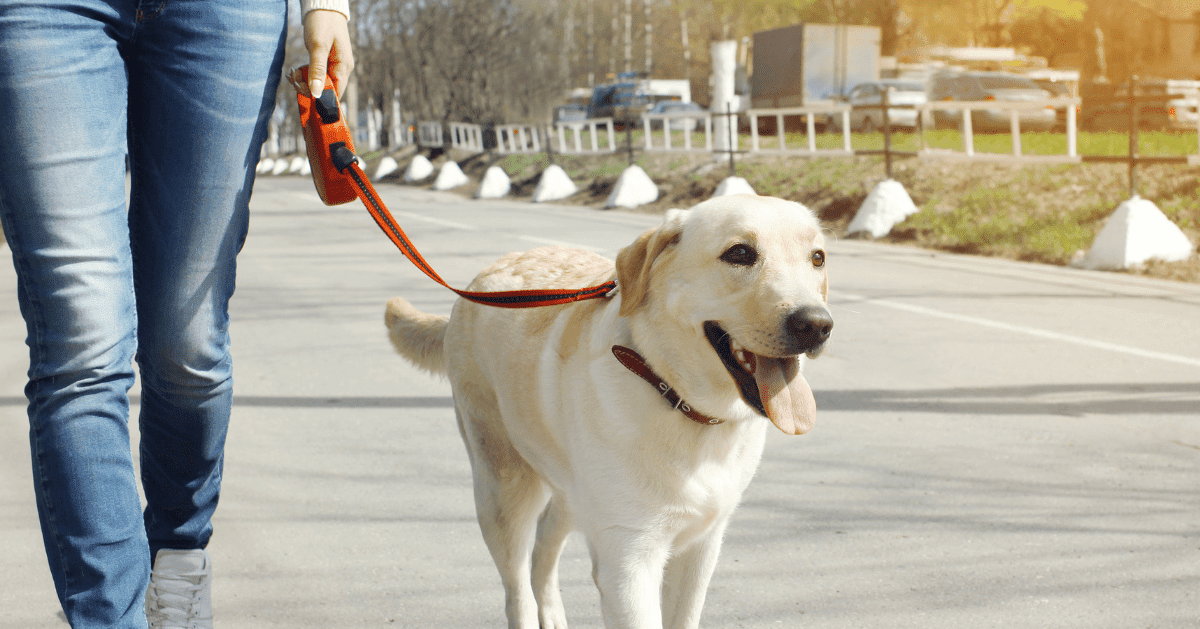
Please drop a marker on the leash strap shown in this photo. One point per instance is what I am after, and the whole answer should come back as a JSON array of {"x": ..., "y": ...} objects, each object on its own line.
[
  {"x": 339, "y": 179},
  {"x": 346, "y": 162}
]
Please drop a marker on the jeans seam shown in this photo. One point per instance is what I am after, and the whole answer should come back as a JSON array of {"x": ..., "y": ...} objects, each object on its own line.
[
  {"x": 34, "y": 331},
  {"x": 47, "y": 504},
  {"x": 35, "y": 334}
]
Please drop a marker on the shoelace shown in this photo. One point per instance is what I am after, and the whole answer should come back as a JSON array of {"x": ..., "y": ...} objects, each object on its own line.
[{"x": 174, "y": 602}]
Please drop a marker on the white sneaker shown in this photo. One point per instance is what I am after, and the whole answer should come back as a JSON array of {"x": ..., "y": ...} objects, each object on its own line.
[{"x": 179, "y": 595}]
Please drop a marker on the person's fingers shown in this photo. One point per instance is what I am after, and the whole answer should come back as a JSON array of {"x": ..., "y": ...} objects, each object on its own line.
[
  {"x": 341, "y": 65},
  {"x": 296, "y": 78},
  {"x": 327, "y": 37},
  {"x": 317, "y": 58}
]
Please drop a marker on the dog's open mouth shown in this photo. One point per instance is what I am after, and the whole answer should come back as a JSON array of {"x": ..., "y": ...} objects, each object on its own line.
[{"x": 773, "y": 386}]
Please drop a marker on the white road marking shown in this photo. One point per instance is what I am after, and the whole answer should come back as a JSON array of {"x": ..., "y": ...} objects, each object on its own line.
[
  {"x": 473, "y": 228},
  {"x": 561, "y": 243},
  {"x": 1020, "y": 329},
  {"x": 436, "y": 221}
]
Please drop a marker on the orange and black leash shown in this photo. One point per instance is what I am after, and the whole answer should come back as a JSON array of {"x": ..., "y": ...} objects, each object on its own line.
[
  {"x": 339, "y": 179},
  {"x": 346, "y": 161}
]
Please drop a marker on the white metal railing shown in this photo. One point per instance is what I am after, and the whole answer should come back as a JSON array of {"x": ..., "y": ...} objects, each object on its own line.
[
  {"x": 1014, "y": 109},
  {"x": 811, "y": 114},
  {"x": 430, "y": 134},
  {"x": 518, "y": 138},
  {"x": 401, "y": 136},
  {"x": 683, "y": 122},
  {"x": 466, "y": 136},
  {"x": 599, "y": 134},
  {"x": 662, "y": 132}
]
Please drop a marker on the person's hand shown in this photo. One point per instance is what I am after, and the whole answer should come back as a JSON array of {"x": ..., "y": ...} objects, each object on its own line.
[{"x": 327, "y": 37}]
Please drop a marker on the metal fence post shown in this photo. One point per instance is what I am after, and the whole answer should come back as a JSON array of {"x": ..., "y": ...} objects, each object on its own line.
[
  {"x": 1133, "y": 134},
  {"x": 730, "y": 122},
  {"x": 887, "y": 131},
  {"x": 629, "y": 137}
]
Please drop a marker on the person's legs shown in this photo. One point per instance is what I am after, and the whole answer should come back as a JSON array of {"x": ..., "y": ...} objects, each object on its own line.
[
  {"x": 62, "y": 201},
  {"x": 202, "y": 82}
]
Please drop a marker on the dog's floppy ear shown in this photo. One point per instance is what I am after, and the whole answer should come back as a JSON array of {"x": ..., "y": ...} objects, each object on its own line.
[{"x": 634, "y": 261}]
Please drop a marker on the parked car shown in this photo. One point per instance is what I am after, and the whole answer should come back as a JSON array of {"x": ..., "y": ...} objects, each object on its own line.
[
  {"x": 1184, "y": 113},
  {"x": 570, "y": 112},
  {"x": 1057, "y": 89},
  {"x": 624, "y": 101},
  {"x": 1166, "y": 104},
  {"x": 677, "y": 107},
  {"x": 991, "y": 86},
  {"x": 866, "y": 100}
]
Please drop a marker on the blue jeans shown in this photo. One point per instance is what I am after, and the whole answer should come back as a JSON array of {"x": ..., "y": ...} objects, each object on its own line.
[{"x": 185, "y": 88}]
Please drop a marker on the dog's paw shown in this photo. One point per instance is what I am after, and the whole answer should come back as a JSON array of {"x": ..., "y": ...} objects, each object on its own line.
[{"x": 552, "y": 618}]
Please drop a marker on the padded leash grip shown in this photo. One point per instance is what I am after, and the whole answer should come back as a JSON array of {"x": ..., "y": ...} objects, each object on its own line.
[{"x": 325, "y": 133}]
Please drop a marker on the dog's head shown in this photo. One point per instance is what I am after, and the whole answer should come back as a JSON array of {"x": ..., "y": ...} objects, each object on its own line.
[{"x": 741, "y": 282}]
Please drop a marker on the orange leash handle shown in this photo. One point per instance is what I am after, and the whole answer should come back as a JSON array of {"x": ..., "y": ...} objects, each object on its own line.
[{"x": 324, "y": 131}]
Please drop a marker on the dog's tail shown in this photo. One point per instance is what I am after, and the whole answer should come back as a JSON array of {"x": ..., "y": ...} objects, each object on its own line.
[{"x": 417, "y": 336}]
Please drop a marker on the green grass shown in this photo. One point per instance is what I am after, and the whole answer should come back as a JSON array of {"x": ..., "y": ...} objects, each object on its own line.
[
  {"x": 1149, "y": 143},
  {"x": 989, "y": 220},
  {"x": 1107, "y": 143},
  {"x": 1110, "y": 143}
]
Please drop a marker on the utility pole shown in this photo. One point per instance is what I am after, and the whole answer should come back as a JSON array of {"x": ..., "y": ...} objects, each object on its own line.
[
  {"x": 568, "y": 52},
  {"x": 649, "y": 39},
  {"x": 591, "y": 35},
  {"x": 612, "y": 58},
  {"x": 687, "y": 49},
  {"x": 629, "y": 35}
]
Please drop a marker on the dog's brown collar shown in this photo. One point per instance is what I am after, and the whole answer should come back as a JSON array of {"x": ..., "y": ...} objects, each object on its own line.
[{"x": 635, "y": 363}]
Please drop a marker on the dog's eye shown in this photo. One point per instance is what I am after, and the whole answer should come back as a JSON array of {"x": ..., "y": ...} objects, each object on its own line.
[
  {"x": 740, "y": 255},
  {"x": 818, "y": 258}
]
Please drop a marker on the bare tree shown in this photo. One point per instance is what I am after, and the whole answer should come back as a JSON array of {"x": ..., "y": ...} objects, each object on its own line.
[
  {"x": 512, "y": 60},
  {"x": 479, "y": 61}
]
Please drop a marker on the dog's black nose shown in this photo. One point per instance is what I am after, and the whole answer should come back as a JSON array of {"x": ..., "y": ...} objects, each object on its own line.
[{"x": 810, "y": 326}]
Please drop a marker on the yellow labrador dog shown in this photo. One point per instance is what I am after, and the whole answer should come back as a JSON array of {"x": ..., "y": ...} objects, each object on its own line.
[{"x": 638, "y": 419}]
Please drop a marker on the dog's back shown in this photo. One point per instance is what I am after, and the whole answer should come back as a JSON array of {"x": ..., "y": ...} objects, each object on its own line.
[{"x": 421, "y": 337}]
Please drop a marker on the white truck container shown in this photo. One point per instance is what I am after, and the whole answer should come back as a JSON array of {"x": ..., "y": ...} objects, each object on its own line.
[{"x": 809, "y": 64}]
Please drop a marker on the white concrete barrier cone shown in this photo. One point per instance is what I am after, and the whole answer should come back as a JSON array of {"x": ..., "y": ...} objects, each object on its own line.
[
  {"x": 887, "y": 205},
  {"x": 733, "y": 185},
  {"x": 495, "y": 184},
  {"x": 386, "y": 166},
  {"x": 280, "y": 167},
  {"x": 1138, "y": 231},
  {"x": 265, "y": 165},
  {"x": 297, "y": 164},
  {"x": 450, "y": 177},
  {"x": 554, "y": 184},
  {"x": 306, "y": 168},
  {"x": 419, "y": 168},
  {"x": 633, "y": 188}
]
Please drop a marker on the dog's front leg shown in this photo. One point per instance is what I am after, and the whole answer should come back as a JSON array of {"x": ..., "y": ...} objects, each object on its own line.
[
  {"x": 686, "y": 580},
  {"x": 552, "y": 531},
  {"x": 627, "y": 566}
]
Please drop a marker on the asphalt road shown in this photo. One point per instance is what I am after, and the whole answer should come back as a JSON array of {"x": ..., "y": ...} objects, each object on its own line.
[{"x": 998, "y": 444}]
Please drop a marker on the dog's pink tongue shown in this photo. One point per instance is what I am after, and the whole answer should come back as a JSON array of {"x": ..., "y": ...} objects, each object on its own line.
[{"x": 785, "y": 394}]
